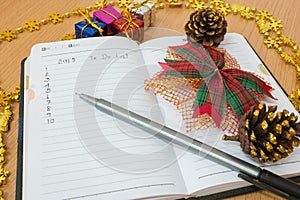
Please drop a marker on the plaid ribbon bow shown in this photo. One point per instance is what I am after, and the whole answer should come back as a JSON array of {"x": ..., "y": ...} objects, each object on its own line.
[{"x": 220, "y": 86}]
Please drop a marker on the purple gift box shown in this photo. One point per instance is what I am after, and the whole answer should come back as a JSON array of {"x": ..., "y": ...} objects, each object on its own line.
[{"x": 107, "y": 15}]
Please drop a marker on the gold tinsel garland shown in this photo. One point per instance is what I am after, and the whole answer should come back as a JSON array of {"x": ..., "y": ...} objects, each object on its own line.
[
  {"x": 6, "y": 99},
  {"x": 267, "y": 25}
]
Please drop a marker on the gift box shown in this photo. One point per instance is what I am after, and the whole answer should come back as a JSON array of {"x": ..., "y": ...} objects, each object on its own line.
[
  {"x": 143, "y": 10},
  {"x": 107, "y": 15},
  {"x": 130, "y": 27},
  {"x": 90, "y": 28}
]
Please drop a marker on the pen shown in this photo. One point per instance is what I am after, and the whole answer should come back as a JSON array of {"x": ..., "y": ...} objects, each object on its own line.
[{"x": 261, "y": 178}]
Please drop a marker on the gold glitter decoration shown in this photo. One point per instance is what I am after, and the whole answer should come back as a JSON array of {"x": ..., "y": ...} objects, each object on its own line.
[
  {"x": 264, "y": 26},
  {"x": 8, "y": 35},
  {"x": 236, "y": 8},
  {"x": 225, "y": 9},
  {"x": 5, "y": 118},
  {"x": 69, "y": 37},
  {"x": 44, "y": 21},
  {"x": 294, "y": 97},
  {"x": 100, "y": 4},
  {"x": 273, "y": 42},
  {"x": 276, "y": 25},
  {"x": 67, "y": 14},
  {"x": 174, "y": 3},
  {"x": 216, "y": 2},
  {"x": 247, "y": 13},
  {"x": 75, "y": 12},
  {"x": 288, "y": 58},
  {"x": 6, "y": 99},
  {"x": 199, "y": 6},
  {"x": 20, "y": 29},
  {"x": 32, "y": 25},
  {"x": 263, "y": 14},
  {"x": 123, "y": 3},
  {"x": 56, "y": 18}
]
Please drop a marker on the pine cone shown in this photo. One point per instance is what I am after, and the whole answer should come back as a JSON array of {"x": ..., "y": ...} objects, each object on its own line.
[
  {"x": 267, "y": 135},
  {"x": 206, "y": 27}
]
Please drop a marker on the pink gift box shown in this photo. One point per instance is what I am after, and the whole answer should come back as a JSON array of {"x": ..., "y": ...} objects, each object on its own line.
[{"x": 107, "y": 15}]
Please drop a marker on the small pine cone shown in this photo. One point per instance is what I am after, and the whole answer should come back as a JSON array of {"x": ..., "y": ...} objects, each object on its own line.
[
  {"x": 206, "y": 27},
  {"x": 267, "y": 135}
]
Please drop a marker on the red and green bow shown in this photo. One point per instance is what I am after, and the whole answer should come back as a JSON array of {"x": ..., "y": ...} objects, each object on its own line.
[{"x": 219, "y": 86}]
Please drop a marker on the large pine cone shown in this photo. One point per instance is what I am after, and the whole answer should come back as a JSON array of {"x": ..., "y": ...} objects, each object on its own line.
[
  {"x": 206, "y": 27},
  {"x": 267, "y": 135}
]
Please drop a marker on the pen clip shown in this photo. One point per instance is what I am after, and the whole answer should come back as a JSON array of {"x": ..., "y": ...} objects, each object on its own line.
[{"x": 265, "y": 186}]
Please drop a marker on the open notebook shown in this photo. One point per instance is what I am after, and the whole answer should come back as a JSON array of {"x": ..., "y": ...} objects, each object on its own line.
[{"x": 73, "y": 151}]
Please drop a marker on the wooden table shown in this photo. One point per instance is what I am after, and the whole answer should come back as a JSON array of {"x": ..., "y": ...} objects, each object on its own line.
[{"x": 14, "y": 13}]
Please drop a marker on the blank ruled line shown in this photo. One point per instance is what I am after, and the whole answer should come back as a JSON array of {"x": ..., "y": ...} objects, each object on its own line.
[
  {"x": 63, "y": 122},
  {"x": 59, "y": 134},
  {"x": 121, "y": 190},
  {"x": 72, "y": 164},
  {"x": 103, "y": 150},
  {"x": 72, "y": 171},
  {"x": 68, "y": 156},
  {"x": 72, "y": 76},
  {"x": 100, "y": 176},
  {"x": 72, "y": 123},
  {"x": 56, "y": 68},
  {"x": 61, "y": 149},
  {"x": 93, "y": 160},
  {"x": 92, "y": 138},
  {"x": 99, "y": 184},
  {"x": 282, "y": 163},
  {"x": 61, "y": 142},
  {"x": 109, "y": 156},
  {"x": 66, "y": 134},
  {"x": 215, "y": 173},
  {"x": 57, "y": 128},
  {"x": 78, "y": 179},
  {"x": 102, "y": 127},
  {"x": 206, "y": 166},
  {"x": 63, "y": 108}
]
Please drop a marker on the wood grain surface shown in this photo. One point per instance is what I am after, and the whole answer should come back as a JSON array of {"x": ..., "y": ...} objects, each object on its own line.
[{"x": 14, "y": 13}]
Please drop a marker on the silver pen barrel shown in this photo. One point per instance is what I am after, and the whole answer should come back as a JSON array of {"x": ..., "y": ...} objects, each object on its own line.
[{"x": 163, "y": 132}]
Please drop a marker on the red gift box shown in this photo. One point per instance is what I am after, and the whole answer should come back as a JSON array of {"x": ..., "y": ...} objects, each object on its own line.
[{"x": 130, "y": 27}]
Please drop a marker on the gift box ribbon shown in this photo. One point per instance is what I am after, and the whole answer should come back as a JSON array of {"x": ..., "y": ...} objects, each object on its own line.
[
  {"x": 89, "y": 23},
  {"x": 110, "y": 14},
  {"x": 129, "y": 23}
]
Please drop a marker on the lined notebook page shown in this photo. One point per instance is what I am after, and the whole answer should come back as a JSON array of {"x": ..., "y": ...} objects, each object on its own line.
[
  {"x": 199, "y": 173},
  {"x": 75, "y": 152}
]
